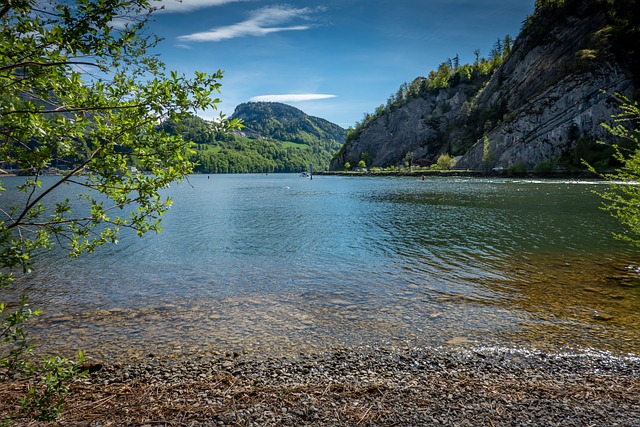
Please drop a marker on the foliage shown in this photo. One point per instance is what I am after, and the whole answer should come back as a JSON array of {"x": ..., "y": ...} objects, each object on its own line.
[
  {"x": 518, "y": 168},
  {"x": 408, "y": 159},
  {"x": 14, "y": 337},
  {"x": 275, "y": 138},
  {"x": 445, "y": 162},
  {"x": 100, "y": 123},
  {"x": 286, "y": 123},
  {"x": 591, "y": 152},
  {"x": 81, "y": 96},
  {"x": 622, "y": 199},
  {"x": 544, "y": 166},
  {"x": 367, "y": 158},
  {"x": 45, "y": 397},
  {"x": 49, "y": 381},
  {"x": 542, "y": 5},
  {"x": 487, "y": 156},
  {"x": 247, "y": 155},
  {"x": 450, "y": 73}
]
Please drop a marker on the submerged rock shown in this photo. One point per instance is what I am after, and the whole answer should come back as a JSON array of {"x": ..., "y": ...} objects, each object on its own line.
[{"x": 602, "y": 316}]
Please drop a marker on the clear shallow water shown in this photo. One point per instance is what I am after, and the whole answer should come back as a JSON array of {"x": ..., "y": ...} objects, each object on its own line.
[{"x": 279, "y": 263}]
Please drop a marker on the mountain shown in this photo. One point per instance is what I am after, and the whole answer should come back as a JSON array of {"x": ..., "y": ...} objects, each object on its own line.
[
  {"x": 538, "y": 103},
  {"x": 275, "y": 138},
  {"x": 307, "y": 140},
  {"x": 276, "y": 121}
]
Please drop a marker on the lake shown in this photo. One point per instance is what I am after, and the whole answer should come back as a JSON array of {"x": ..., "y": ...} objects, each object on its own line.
[{"x": 279, "y": 264}]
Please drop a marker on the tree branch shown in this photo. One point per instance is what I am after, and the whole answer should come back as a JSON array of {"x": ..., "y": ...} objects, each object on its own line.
[
  {"x": 5, "y": 9},
  {"x": 64, "y": 179},
  {"x": 46, "y": 64},
  {"x": 72, "y": 110}
]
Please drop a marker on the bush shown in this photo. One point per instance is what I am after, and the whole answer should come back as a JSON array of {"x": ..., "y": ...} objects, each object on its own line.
[
  {"x": 446, "y": 162},
  {"x": 544, "y": 166},
  {"x": 46, "y": 395},
  {"x": 622, "y": 199},
  {"x": 518, "y": 168}
]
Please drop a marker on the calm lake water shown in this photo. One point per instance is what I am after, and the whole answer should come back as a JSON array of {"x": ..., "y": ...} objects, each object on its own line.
[{"x": 279, "y": 264}]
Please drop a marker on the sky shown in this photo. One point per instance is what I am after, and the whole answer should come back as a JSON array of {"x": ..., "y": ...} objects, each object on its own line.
[{"x": 334, "y": 59}]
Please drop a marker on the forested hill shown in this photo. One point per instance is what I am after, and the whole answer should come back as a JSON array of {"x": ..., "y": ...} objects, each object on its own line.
[
  {"x": 276, "y": 121},
  {"x": 535, "y": 102},
  {"x": 275, "y": 138}
]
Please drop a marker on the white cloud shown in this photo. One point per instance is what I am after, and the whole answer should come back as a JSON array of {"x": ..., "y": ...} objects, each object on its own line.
[
  {"x": 183, "y": 6},
  {"x": 291, "y": 97},
  {"x": 262, "y": 22}
]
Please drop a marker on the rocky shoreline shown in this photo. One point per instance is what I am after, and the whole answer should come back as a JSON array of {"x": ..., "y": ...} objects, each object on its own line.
[{"x": 374, "y": 386}]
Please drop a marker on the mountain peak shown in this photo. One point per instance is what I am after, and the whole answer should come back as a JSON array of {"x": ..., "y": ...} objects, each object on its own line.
[
  {"x": 274, "y": 120},
  {"x": 251, "y": 110}
]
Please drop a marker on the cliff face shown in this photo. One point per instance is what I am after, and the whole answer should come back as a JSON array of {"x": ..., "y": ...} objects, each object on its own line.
[
  {"x": 550, "y": 124},
  {"x": 417, "y": 127},
  {"x": 554, "y": 89}
]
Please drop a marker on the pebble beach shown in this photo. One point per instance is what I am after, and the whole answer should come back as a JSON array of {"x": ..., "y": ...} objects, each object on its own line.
[{"x": 368, "y": 386}]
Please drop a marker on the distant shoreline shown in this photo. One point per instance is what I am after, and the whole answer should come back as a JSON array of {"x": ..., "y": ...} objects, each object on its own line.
[
  {"x": 427, "y": 174},
  {"x": 464, "y": 173}
]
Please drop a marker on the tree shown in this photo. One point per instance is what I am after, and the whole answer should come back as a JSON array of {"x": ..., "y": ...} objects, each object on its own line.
[
  {"x": 487, "y": 156},
  {"x": 622, "y": 199},
  {"x": 476, "y": 53},
  {"x": 542, "y": 5},
  {"x": 508, "y": 44},
  {"x": 367, "y": 158},
  {"x": 80, "y": 93},
  {"x": 408, "y": 159},
  {"x": 446, "y": 162}
]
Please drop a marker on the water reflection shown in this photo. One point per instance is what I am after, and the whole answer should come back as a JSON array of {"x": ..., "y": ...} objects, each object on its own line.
[{"x": 282, "y": 264}]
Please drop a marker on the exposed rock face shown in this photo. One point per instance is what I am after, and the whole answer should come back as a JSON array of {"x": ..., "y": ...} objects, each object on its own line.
[
  {"x": 555, "y": 87},
  {"x": 416, "y": 127},
  {"x": 552, "y": 121},
  {"x": 551, "y": 97}
]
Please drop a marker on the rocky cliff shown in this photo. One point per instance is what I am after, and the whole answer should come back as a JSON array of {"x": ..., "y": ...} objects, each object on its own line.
[
  {"x": 544, "y": 104},
  {"x": 418, "y": 127}
]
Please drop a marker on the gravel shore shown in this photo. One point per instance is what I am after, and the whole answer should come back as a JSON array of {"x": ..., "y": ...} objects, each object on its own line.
[{"x": 374, "y": 386}]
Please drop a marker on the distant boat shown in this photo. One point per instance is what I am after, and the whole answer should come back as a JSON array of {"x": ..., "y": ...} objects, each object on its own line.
[{"x": 308, "y": 174}]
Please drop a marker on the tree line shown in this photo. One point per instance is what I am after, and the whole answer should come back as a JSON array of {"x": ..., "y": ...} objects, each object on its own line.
[
  {"x": 450, "y": 73},
  {"x": 281, "y": 147}
]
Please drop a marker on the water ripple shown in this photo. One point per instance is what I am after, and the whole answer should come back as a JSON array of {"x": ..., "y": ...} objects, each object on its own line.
[{"x": 280, "y": 262}]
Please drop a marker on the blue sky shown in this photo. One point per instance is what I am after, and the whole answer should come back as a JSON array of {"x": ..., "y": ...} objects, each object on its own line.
[{"x": 335, "y": 59}]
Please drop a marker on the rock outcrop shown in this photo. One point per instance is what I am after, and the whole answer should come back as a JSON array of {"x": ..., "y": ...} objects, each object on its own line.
[
  {"x": 415, "y": 128},
  {"x": 552, "y": 95},
  {"x": 549, "y": 125},
  {"x": 554, "y": 89}
]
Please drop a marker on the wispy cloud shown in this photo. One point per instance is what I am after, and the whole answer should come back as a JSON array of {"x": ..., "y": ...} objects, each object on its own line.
[
  {"x": 291, "y": 97},
  {"x": 261, "y": 22},
  {"x": 184, "y": 6}
]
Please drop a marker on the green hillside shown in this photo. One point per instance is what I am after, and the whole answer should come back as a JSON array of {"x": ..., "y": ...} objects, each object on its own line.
[{"x": 275, "y": 138}]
